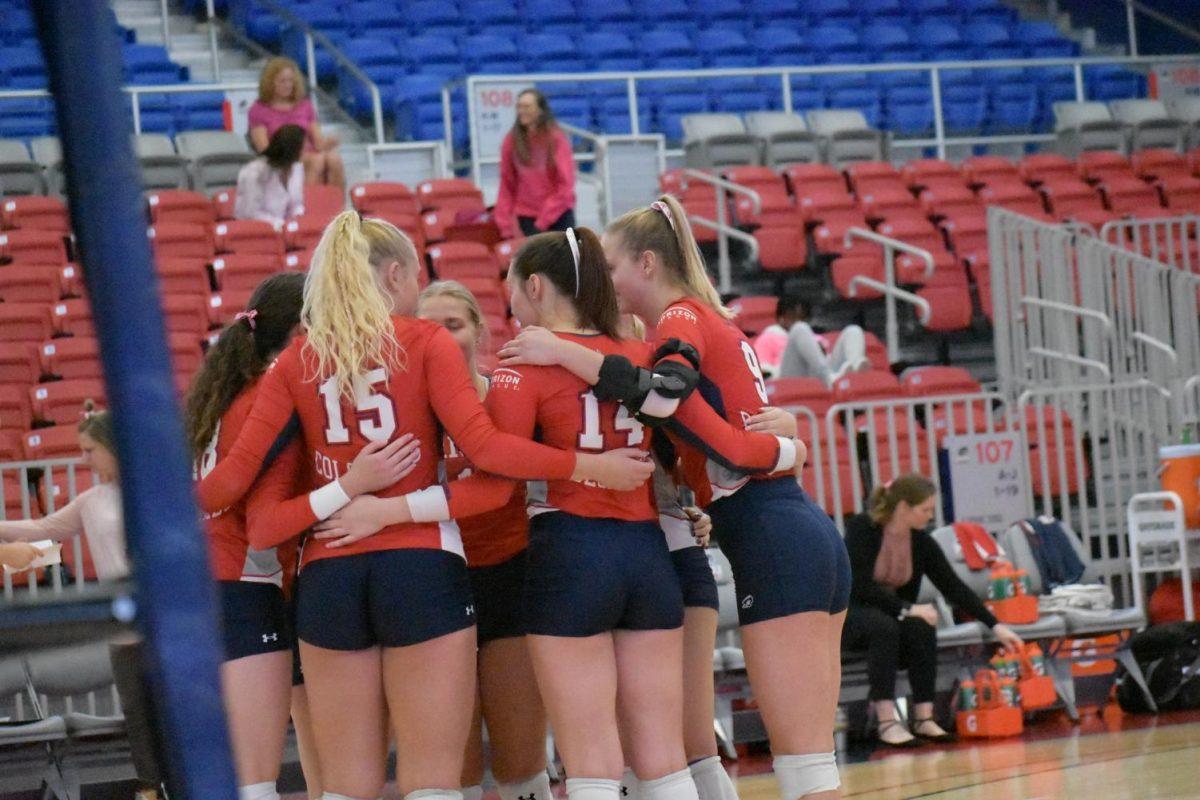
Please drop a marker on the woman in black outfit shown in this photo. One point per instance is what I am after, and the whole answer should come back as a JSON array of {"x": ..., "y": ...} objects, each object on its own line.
[{"x": 890, "y": 552}]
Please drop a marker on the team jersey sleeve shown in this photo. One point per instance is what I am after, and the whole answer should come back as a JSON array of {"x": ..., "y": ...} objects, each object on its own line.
[
  {"x": 735, "y": 449},
  {"x": 457, "y": 405},
  {"x": 512, "y": 401},
  {"x": 276, "y": 511},
  {"x": 234, "y": 474},
  {"x": 681, "y": 323}
]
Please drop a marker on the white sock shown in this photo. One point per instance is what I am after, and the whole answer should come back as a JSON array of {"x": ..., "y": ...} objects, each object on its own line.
[
  {"x": 535, "y": 787},
  {"x": 676, "y": 786},
  {"x": 712, "y": 781},
  {"x": 593, "y": 789},
  {"x": 472, "y": 792},
  {"x": 258, "y": 791},
  {"x": 801, "y": 775},
  {"x": 630, "y": 785}
]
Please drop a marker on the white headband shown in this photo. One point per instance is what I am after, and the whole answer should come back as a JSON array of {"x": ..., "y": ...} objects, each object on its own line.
[
  {"x": 571, "y": 240},
  {"x": 658, "y": 205}
]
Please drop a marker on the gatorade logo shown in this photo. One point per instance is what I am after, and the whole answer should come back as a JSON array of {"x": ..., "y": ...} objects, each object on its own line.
[{"x": 747, "y": 601}]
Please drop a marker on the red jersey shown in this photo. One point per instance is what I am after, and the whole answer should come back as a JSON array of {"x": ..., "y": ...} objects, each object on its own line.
[
  {"x": 430, "y": 388},
  {"x": 231, "y": 555},
  {"x": 492, "y": 537},
  {"x": 731, "y": 382}
]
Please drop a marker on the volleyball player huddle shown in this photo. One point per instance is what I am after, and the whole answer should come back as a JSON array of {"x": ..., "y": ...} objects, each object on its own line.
[{"x": 514, "y": 549}]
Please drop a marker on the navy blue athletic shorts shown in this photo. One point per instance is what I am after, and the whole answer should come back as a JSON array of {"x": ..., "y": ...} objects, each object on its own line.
[
  {"x": 497, "y": 589},
  {"x": 588, "y": 576},
  {"x": 695, "y": 578},
  {"x": 254, "y": 619},
  {"x": 389, "y": 598},
  {"x": 787, "y": 556},
  {"x": 297, "y": 670}
]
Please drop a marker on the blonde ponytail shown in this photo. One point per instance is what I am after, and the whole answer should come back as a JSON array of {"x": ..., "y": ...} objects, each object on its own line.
[
  {"x": 346, "y": 313},
  {"x": 663, "y": 229}
]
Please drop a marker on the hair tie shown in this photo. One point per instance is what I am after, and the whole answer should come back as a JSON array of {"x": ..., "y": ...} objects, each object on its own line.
[
  {"x": 658, "y": 205},
  {"x": 246, "y": 315},
  {"x": 571, "y": 240}
]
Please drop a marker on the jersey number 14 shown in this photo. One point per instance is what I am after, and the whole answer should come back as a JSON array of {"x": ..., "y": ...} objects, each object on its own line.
[{"x": 591, "y": 437}]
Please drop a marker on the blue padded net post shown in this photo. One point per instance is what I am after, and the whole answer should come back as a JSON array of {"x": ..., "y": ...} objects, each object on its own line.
[{"x": 176, "y": 597}]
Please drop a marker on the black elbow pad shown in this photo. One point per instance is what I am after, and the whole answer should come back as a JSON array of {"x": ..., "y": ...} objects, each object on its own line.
[
  {"x": 674, "y": 380},
  {"x": 621, "y": 380}
]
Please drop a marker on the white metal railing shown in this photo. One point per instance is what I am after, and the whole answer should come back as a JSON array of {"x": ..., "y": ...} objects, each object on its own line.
[
  {"x": 725, "y": 231},
  {"x": 1168, "y": 240},
  {"x": 631, "y": 80},
  {"x": 890, "y": 290},
  {"x": 47, "y": 500}
]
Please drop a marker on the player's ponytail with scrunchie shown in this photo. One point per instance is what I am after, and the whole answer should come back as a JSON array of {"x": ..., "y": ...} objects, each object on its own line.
[
  {"x": 242, "y": 353},
  {"x": 663, "y": 229},
  {"x": 912, "y": 488},
  {"x": 347, "y": 314}
]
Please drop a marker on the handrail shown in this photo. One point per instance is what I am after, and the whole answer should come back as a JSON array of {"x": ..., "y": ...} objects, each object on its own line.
[
  {"x": 211, "y": 13},
  {"x": 890, "y": 246},
  {"x": 313, "y": 36},
  {"x": 721, "y": 224},
  {"x": 1054, "y": 355},
  {"x": 1163, "y": 19},
  {"x": 1158, "y": 344},
  {"x": 921, "y": 303},
  {"x": 1068, "y": 308}
]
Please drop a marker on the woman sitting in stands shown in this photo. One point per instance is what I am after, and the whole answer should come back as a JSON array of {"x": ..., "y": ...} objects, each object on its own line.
[
  {"x": 890, "y": 552},
  {"x": 282, "y": 101},
  {"x": 271, "y": 187},
  {"x": 537, "y": 172}
]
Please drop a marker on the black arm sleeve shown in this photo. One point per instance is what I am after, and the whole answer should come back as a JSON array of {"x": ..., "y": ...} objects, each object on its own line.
[
  {"x": 939, "y": 571},
  {"x": 862, "y": 543}
]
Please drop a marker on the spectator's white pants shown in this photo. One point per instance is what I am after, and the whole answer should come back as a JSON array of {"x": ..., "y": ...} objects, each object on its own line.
[{"x": 805, "y": 358}]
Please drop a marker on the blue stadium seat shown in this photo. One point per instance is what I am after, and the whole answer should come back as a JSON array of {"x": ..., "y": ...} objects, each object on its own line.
[
  {"x": 822, "y": 11},
  {"x": 368, "y": 52},
  {"x": 930, "y": 9},
  {"x": 159, "y": 122},
  {"x": 500, "y": 17},
  {"x": 964, "y": 113},
  {"x": 376, "y": 18},
  {"x": 610, "y": 51},
  {"x": 672, "y": 107},
  {"x": 552, "y": 16},
  {"x": 941, "y": 41},
  {"x": 608, "y": 15},
  {"x": 662, "y": 11},
  {"x": 433, "y": 18},
  {"x": 292, "y": 44},
  {"x": 724, "y": 47},
  {"x": 741, "y": 102},
  {"x": 355, "y": 96},
  {"x": 23, "y": 67},
  {"x": 418, "y": 110},
  {"x": 16, "y": 26},
  {"x": 723, "y": 12},
  {"x": 886, "y": 36},
  {"x": 1110, "y": 82},
  {"x": 490, "y": 53},
  {"x": 984, "y": 11},
  {"x": 844, "y": 80},
  {"x": 613, "y": 115},
  {"x": 186, "y": 104},
  {"x": 25, "y": 127},
  {"x": 777, "y": 12},
  {"x": 906, "y": 77},
  {"x": 806, "y": 93},
  {"x": 423, "y": 51},
  {"x": 257, "y": 22},
  {"x": 1014, "y": 107},
  {"x": 325, "y": 17},
  {"x": 837, "y": 44},
  {"x": 575, "y": 111},
  {"x": 669, "y": 49},
  {"x": 913, "y": 120},
  {"x": 780, "y": 45},
  {"x": 149, "y": 63},
  {"x": 870, "y": 10},
  {"x": 550, "y": 52},
  {"x": 1048, "y": 94},
  {"x": 864, "y": 99}
]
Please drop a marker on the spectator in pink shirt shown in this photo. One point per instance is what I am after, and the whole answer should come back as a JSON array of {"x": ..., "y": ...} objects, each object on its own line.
[
  {"x": 282, "y": 100},
  {"x": 537, "y": 172}
]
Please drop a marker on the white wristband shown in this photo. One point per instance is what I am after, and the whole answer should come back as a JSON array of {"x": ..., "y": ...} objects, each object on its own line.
[
  {"x": 787, "y": 454},
  {"x": 328, "y": 500},
  {"x": 428, "y": 505}
]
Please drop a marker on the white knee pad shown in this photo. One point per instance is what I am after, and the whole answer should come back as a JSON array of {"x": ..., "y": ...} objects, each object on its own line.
[
  {"x": 472, "y": 792},
  {"x": 593, "y": 789},
  {"x": 676, "y": 786},
  {"x": 630, "y": 785},
  {"x": 712, "y": 781},
  {"x": 536, "y": 787},
  {"x": 806, "y": 774},
  {"x": 258, "y": 791}
]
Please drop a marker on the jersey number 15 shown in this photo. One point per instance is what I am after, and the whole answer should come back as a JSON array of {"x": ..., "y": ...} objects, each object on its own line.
[{"x": 374, "y": 412}]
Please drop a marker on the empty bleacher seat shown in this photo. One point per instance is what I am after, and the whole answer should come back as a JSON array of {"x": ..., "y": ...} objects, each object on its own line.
[
  {"x": 215, "y": 157},
  {"x": 180, "y": 239},
  {"x": 19, "y": 173},
  {"x": 29, "y": 284},
  {"x": 162, "y": 167},
  {"x": 1186, "y": 109},
  {"x": 785, "y": 138},
  {"x": 178, "y": 205},
  {"x": 34, "y": 211},
  {"x": 1088, "y": 126},
  {"x": 846, "y": 136},
  {"x": 247, "y": 236},
  {"x": 242, "y": 271},
  {"x": 32, "y": 246},
  {"x": 1149, "y": 123}
]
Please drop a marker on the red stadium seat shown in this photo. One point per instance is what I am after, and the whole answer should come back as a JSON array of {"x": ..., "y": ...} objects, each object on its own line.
[
  {"x": 753, "y": 313},
  {"x": 1180, "y": 193},
  {"x": 186, "y": 314},
  {"x": 926, "y": 381},
  {"x": 776, "y": 203},
  {"x": 71, "y": 358},
  {"x": 1071, "y": 198},
  {"x": 221, "y": 308},
  {"x": 829, "y": 236},
  {"x": 178, "y": 205},
  {"x": 873, "y": 384},
  {"x": 1098, "y": 165},
  {"x": 802, "y": 178},
  {"x": 18, "y": 360},
  {"x": 1156, "y": 162},
  {"x": 944, "y": 200},
  {"x": 811, "y": 393},
  {"x": 919, "y": 172},
  {"x": 1014, "y": 196},
  {"x": 32, "y": 246},
  {"x": 298, "y": 260},
  {"x": 181, "y": 240},
  {"x": 781, "y": 248},
  {"x": 16, "y": 412},
  {"x": 24, "y": 322},
  {"x": 61, "y": 441},
  {"x": 186, "y": 355},
  {"x": 815, "y": 204},
  {"x": 301, "y": 233},
  {"x": 223, "y": 203},
  {"x": 70, "y": 281},
  {"x": 24, "y": 284},
  {"x": 846, "y": 268},
  {"x": 504, "y": 251},
  {"x": 247, "y": 236},
  {"x": 1040, "y": 167},
  {"x": 182, "y": 276},
  {"x": 983, "y": 170},
  {"x": 489, "y": 293},
  {"x": 882, "y": 201},
  {"x": 1125, "y": 194},
  {"x": 380, "y": 196},
  {"x": 459, "y": 260},
  {"x": 61, "y": 402},
  {"x": 873, "y": 173},
  {"x": 434, "y": 224},
  {"x": 235, "y": 271},
  {"x": 322, "y": 203},
  {"x": 949, "y": 306},
  {"x": 962, "y": 418},
  {"x": 13, "y": 488},
  {"x": 451, "y": 195},
  {"x": 35, "y": 212},
  {"x": 72, "y": 318}
]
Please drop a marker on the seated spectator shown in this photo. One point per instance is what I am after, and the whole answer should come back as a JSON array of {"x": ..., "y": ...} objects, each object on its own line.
[
  {"x": 271, "y": 187},
  {"x": 537, "y": 172},
  {"x": 890, "y": 552},
  {"x": 791, "y": 349},
  {"x": 282, "y": 101}
]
